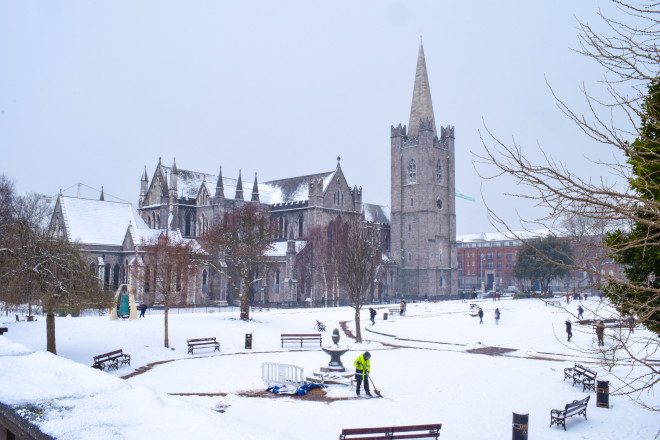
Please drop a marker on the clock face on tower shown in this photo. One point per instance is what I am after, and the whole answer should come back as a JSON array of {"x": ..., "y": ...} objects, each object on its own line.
[{"x": 438, "y": 202}]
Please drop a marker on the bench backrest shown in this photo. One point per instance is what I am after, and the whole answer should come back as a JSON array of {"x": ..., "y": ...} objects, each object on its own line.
[
  {"x": 576, "y": 406},
  {"x": 301, "y": 335},
  {"x": 583, "y": 370},
  {"x": 282, "y": 374},
  {"x": 201, "y": 340},
  {"x": 393, "y": 432},
  {"x": 109, "y": 355}
]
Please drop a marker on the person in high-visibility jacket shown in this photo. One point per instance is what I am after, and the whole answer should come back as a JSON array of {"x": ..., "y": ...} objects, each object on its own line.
[{"x": 362, "y": 369}]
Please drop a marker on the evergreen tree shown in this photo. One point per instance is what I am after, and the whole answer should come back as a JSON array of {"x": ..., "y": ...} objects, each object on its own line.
[{"x": 637, "y": 249}]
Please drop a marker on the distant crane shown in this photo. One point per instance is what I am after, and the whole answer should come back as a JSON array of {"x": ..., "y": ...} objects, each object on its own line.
[{"x": 463, "y": 196}]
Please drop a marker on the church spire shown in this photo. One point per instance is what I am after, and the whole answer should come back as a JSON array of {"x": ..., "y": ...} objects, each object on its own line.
[
  {"x": 102, "y": 198},
  {"x": 422, "y": 107},
  {"x": 255, "y": 189},
  {"x": 219, "y": 187},
  {"x": 239, "y": 187}
]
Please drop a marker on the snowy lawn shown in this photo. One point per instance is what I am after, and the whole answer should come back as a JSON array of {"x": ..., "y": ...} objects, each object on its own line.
[{"x": 419, "y": 363}]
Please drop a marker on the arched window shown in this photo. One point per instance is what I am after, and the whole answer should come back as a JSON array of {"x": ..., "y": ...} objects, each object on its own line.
[
  {"x": 149, "y": 222},
  {"x": 188, "y": 225},
  {"x": 153, "y": 219},
  {"x": 157, "y": 225},
  {"x": 277, "y": 281},
  {"x": 106, "y": 275},
  {"x": 204, "y": 277},
  {"x": 147, "y": 278},
  {"x": 286, "y": 228},
  {"x": 115, "y": 276},
  {"x": 412, "y": 171},
  {"x": 300, "y": 226},
  {"x": 438, "y": 171}
]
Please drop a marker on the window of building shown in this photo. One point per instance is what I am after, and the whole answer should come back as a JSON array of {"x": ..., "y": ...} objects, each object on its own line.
[
  {"x": 409, "y": 256},
  {"x": 412, "y": 171},
  {"x": 147, "y": 277},
  {"x": 300, "y": 226},
  {"x": 442, "y": 281},
  {"x": 412, "y": 202},
  {"x": 438, "y": 171},
  {"x": 409, "y": 228}
]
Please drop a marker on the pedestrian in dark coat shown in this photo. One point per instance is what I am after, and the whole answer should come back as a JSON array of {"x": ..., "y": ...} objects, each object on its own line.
[
  {"x": 402, "y": 308},
  {"x": 497, "y": 316},
  {"x": 372, "y": 314},
  {"x": 143, "y": 308},
  {"x": 600, "y": 333},
  {"x": 481, "y": 316},
  {"x": 569, "y": 330},
  {"x": 631, "y": 324},
  {"x": 580, "y": 312}
]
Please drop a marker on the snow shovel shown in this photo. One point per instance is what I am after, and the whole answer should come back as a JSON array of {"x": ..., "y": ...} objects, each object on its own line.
[{"x": 375, "y": 389}]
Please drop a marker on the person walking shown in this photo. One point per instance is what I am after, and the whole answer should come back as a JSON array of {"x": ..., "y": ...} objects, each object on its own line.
[
  {"x": 631, "y": 324},
  {"x": 569, "y": 330},
  {"x": 402, "y": 307},
  {"x": 372, "y": 314},
  {"x": 600, "y": 333},
  {"x": 568, "y": 297},
  {"x": 497, "y": 316},
  {"x": 362, "y": 368},
  {"x": 580, "y": 312},
  {"x": 481, "y": 316},
  {"x": 143, "y": 308}
]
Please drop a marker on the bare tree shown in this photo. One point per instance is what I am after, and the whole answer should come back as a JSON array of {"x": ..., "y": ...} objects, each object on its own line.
[
  {"x": 628, "y": 53},
  {"x": 359, "y": 256},
  {"x": 320, "y": 255},
  {"x": 241, "y": 239},
  {"x": 168, "y": 274}
]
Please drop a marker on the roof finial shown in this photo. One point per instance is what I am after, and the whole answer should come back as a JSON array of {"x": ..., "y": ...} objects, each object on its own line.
[
  {"x": 102, "y": 198},
  {"x": 239, "y": 187},
  {"x": 255, "y": 189},
  {"x": 174, "y": 168}
]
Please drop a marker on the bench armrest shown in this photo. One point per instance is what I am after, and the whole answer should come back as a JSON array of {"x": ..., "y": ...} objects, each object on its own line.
[{"x": 558, "y": 412}]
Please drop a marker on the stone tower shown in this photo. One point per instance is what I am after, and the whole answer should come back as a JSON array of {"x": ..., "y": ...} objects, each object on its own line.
[{"x": 423, "y": 205}]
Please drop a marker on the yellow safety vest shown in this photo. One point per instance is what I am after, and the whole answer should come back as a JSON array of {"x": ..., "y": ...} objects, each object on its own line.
[{"x": 362, "y": 364}]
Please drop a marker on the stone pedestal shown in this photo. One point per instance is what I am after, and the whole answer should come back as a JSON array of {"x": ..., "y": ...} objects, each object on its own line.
[{"x": 335, "y": 364}]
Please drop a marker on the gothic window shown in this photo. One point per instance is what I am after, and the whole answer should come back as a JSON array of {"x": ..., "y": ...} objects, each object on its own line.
[
  {"x": 300, "y": 226},
  {"x": 342, "y": 199},
  {"x": 153, "y": 219},
  {"x": 106, "y": 275},
  {"x": 409, "y": 228},
  {"x": 412, "y": 171},
  {"x": 188, "y": 225},
  {"x": 286, "y": 228},
  {"x": 409, "y": 256},
  {"x": 92, "y": 269},
  {"x": 149, "y": 222},
  {"x": 412, "y": 202},
  {"x": 438, "y": 171},
  {"x": 442, "y": 281},
  {"x": 147, "y": 277},
  {"x": 115, "y": 276}
]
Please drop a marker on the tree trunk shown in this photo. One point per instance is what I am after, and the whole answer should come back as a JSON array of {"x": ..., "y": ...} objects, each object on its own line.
[
  {"x": 358, "y": 330},
  {"x": 50, "y": 332},
  {"x": 245, "y": 300},
  {"x": 166, "y": 310}
]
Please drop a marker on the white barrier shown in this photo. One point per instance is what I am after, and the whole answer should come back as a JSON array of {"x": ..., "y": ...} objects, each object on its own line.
[{"x": 282, "y": 374}]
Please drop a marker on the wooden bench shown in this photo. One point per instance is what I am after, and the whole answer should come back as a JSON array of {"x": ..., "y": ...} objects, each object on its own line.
[
  {"x": 202, "y": 343},
  {"x": 583, "y": 375},
  {"x": 394, "y": 311},
  {"x": 111, "y": 360},
  {"x": 553, "y": 303},
  {"x": 575, "y": 408},
  {"x": 392, "y": 432},
  {"x": 302, "y": 337},
  {"x": 260, "y": 307}
]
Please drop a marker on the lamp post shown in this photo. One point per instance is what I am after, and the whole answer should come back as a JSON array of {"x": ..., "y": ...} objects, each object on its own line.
[{"x": 481, "y": 272}]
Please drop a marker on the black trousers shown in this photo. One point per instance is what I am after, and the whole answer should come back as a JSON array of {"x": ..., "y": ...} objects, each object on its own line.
[{"x": 358, "y": 382}]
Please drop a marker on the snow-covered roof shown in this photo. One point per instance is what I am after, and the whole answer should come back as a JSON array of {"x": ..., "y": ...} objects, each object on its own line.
[
  {"x": 500, "y": 236},
  {"x": 293, "y": 189},
  {"x": 145, "y": 236},
  {"x": 376, "y": 213},
  {"x": 279, "y": 248},
  {"x": 98, "y": 222}
]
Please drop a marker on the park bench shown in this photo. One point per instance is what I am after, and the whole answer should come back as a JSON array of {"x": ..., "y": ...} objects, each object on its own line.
[
  {"x": 202, "y": 343},
  {"x": 583, "y": 375},
  {"x": 394, "y": 311},
  {"x": 111, "y": 360},
  {"x": 575, "y": 408},
  {"x": 553, "y": 302},
  {"x": 392, "y": 432},
  {"x": 302, "y": 337},
  {"x": 260, "y": 307},
  {"x": 3, "y": 330}
]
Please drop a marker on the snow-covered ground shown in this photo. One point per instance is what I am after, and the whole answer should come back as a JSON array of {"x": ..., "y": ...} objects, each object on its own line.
[{"x": 419, "y": 363}]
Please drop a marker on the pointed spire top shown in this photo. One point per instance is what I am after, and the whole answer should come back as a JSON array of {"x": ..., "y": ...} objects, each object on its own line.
[
  {"x": 219, "y": 187},
  {"x": 102, "y": 198},
  {"x": 144, "y": 175},
  {"x": 338, "y": 162},
  {"x": 422, "y": 107},
  {"x": 255, "y": 189},
  {"x": 159, "y": 161},
  {"x": 175, "y": 170},
  {"x": 239, "y": 187}
]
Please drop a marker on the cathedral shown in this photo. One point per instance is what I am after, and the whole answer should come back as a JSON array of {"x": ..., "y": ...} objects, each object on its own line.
[{"x": 418, "y": 232}]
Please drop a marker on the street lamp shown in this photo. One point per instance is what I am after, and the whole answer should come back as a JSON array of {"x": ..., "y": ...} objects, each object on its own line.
[{"x": 481, "y": 272}]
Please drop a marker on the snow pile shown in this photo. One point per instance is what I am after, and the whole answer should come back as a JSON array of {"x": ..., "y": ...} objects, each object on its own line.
[{"x": 73, "y": 401}]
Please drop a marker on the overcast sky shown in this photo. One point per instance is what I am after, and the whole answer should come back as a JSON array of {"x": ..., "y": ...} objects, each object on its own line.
[{"x": 93, "y": 91}]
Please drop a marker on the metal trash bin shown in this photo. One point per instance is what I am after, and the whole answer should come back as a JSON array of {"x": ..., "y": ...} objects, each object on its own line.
[
  {"x": 385, "y": 316},
  {"x": 248, "y": 341},
  {"x": 520, "y": 426},
  {"x": 602, "y": 394}
]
